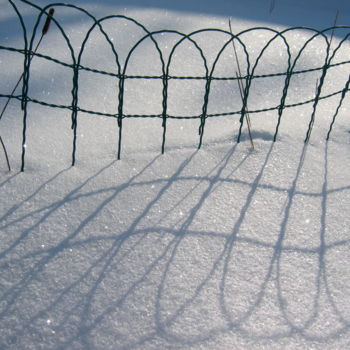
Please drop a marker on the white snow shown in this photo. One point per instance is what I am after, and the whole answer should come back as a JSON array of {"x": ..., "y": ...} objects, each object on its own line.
[{"x": 219, "y": 248}]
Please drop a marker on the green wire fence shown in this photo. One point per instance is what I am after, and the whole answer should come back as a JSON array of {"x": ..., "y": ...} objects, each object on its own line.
[{"x": 46, "y": 15}]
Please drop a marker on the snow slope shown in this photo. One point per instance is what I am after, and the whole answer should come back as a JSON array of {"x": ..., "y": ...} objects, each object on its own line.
[{"x": 219, "y": 248}]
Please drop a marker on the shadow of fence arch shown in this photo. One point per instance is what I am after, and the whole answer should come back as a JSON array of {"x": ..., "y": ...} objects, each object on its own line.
[{"x": 121, "y": 76}]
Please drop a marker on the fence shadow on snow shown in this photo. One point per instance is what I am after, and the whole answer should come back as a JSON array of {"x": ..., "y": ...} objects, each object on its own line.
[{"x": 33, "y": 38}]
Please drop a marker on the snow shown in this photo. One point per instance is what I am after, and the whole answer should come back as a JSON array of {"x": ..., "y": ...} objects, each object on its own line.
[{"x": 219, "y": 248}]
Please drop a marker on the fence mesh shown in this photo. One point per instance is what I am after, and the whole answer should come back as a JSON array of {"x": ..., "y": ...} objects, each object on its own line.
[{"x": 249, "y": 74}]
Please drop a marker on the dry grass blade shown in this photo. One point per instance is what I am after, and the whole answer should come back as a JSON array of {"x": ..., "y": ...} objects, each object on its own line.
[
  {"x": 6, "y": 155},
  {"x": 45, "y": 29},
  {"x": 241, "y": 87},
  {"x": 334, "y": 24},
  {"x": 312, "y": 122},
  {"x": 272, "y": 5}
]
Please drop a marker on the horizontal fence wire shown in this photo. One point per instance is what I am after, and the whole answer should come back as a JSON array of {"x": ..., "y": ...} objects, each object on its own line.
[{"x": 249, "y": 75}]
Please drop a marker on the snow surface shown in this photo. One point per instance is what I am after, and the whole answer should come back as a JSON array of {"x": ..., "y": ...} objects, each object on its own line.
[{"x": 217, "y": 248}]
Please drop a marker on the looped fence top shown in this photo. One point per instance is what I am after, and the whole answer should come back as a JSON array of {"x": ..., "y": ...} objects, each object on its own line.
[{"x": 165, "y": 61}]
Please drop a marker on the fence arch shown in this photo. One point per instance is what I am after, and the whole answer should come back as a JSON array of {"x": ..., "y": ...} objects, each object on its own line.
[{"x": 165, "y": 63}]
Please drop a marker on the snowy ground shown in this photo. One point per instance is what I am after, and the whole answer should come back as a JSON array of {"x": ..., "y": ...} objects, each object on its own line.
[{"x": 218, "y": 248}]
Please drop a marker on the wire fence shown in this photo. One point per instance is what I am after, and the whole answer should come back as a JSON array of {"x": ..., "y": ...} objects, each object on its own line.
[{"x": 32, "y": 39}]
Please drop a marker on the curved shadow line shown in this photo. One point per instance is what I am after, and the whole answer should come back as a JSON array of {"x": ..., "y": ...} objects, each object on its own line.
[
  {"x": 229, "y": 248},
  {"x": 336, "y": 309},
  {"x": 182, "y": 178},
  {"x": 85, "y": 330},
  {"x": 162, "y": 326},
  {"x": 207, "y": 178},
  {"x": 15, "y": 207},
  {"x": 279, "y": 250}
]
